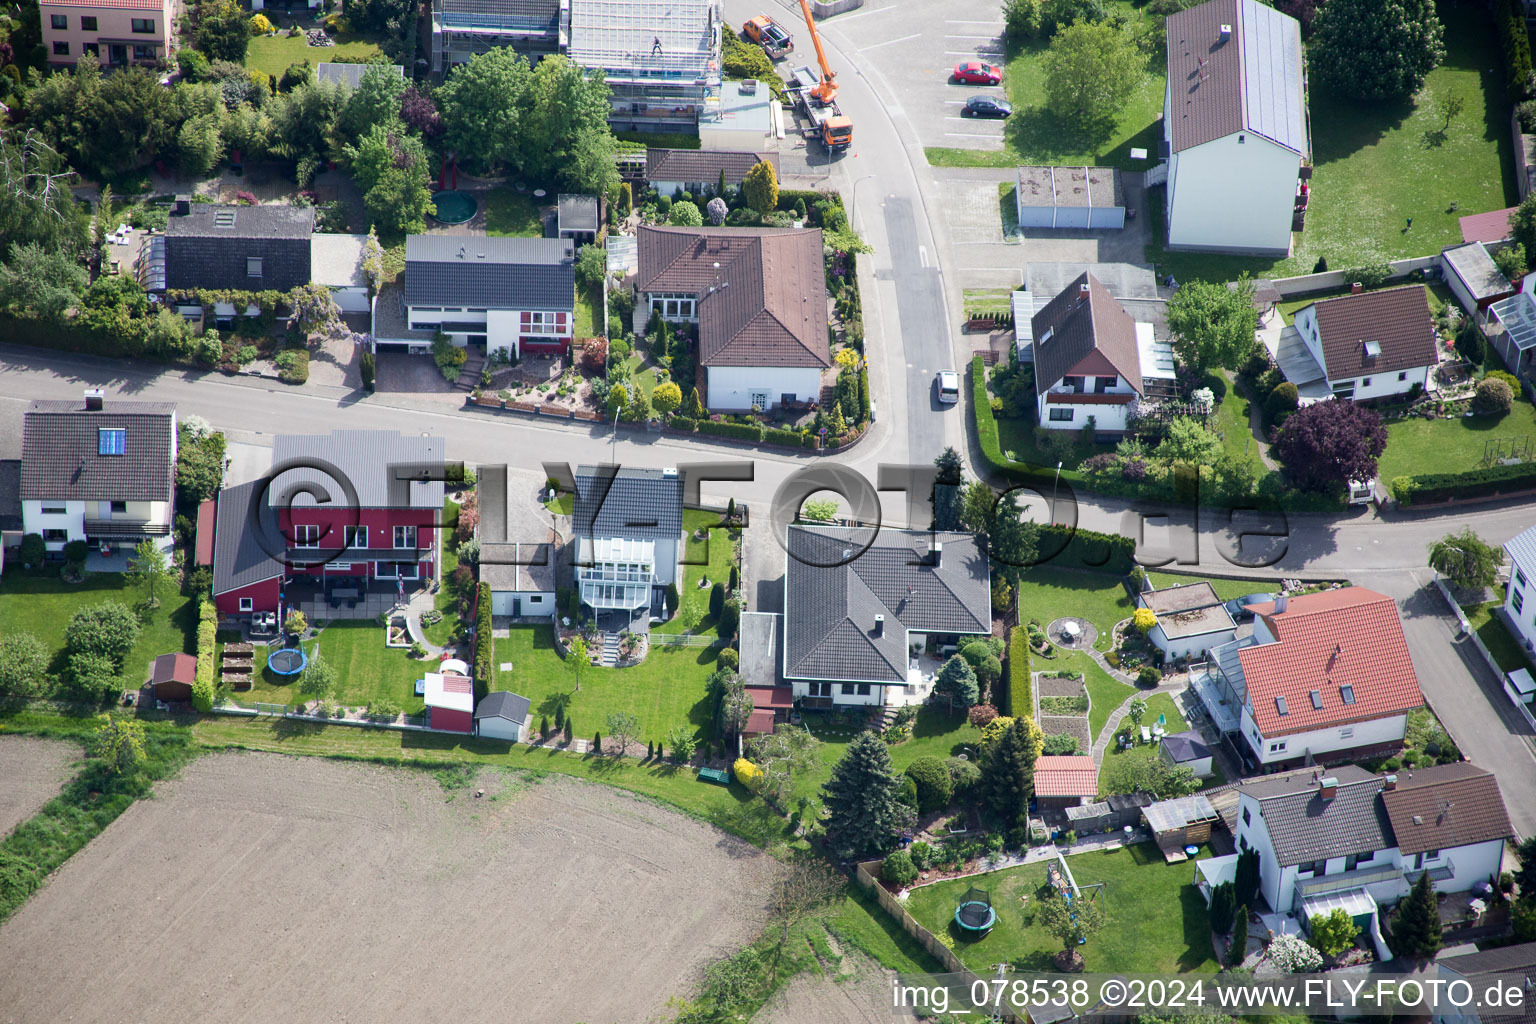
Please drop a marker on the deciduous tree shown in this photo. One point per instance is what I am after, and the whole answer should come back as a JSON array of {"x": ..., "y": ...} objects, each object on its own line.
[
  {"x": 1091, "y": 69},
  {"x": 865, "y": 815},
  {"x": 1375, "y": 49},
  {"x": 150, "y": 571},
  {"x": 220, "y": 28},
  {"x": 1212, "y": 324},
  {"x": 781, "y": 755},
  {"x": 1070, "y": 922},
  {"x": 108, "y": 630},
  {"x": 376, "y": 102},
  {"x": 1465, "y": 559},
  {"x": 760, "y": 187},
  {"x": 801, "y": 890},
  {"x": 23, "y": 664},
  {"x": 1190, "y": 442},
  {"x": 40, "y": 281},
  {"x": 1330, "y": 443},
  {"x": 622, "y": 726},
  {"x": 666, "y": 397},
  {"x": 119, "y": 743}
]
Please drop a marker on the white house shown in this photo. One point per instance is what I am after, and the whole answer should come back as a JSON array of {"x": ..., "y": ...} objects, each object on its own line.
[
  {"x": 1093, "y": 363},
  {"x": 1191, "y": 620},
  {"x": 628, "y": 526},
  {"x": 513, "y": 295},
  {"x": 1371, "y": 345},
  {"x": 1347, "y": 837},
  {"x": 502, "y": 715},
  {"x": 1324, "y": 677},
  {"x": 854, "y": 622},
  {"x": 759, "y": 298},
  {"x": 1520, "y": 595},
  {"x": 99, "y": 470},
  {"x": 1235, "y": 127}
]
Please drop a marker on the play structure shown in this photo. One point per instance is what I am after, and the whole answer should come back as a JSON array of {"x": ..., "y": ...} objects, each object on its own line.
[
  {"x": 287, "y": 661},
  {"x": 1059, "y": 876},
  {"x": 975, "y": 915}
]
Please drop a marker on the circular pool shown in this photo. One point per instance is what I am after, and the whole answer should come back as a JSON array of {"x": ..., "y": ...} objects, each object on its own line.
[{"x": 454, "y": 207}]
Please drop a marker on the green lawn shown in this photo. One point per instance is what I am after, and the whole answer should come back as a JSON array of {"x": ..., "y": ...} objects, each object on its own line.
[
  {"x": 1450, "y": 446},
  {"x": 273, "y": 54},
  {"x": 987, "y": 300},
  {"x": 1490, "y": 628},
  {"x": 710, "y": 559},
  {"x": 41, "y": 603},
  {"x": 1379, "y": 164},
  {"x": 1047, "y": 593},
  {"x": 1236, "y": 431},
  {"x": 935, "y": 733},
  {"x": 589, "y": 314},
  {"x": 510, "y": 212},
  {"x": 1105, "y": 693},
  {"x": 1226, "y": 589},
  {"x": 1438, "y": 295},
  {"x": 1111, "y": 773},
  {"x": 1035, "y": 136},
  {"x": 1155, "y": 920},
  {"x": 668, "y": 689},
  {"x": 366, "y": 669}
]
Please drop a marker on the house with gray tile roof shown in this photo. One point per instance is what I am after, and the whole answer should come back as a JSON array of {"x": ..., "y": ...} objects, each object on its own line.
[
  {"x": 1235, "y": 129},
  {"x": 1512, "y": 967},
  {"x": 856, "y": 606},
  {"x": 98, "y": 469},
  {"x": 514, "y": 295},
  {"x": 244, "y": 248},
  {"x": 627, "y": 525},
  {"x": 1337, "y": 836}
]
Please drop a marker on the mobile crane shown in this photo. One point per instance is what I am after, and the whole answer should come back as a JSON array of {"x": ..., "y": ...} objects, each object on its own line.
[{"x": 817, "y": 95}]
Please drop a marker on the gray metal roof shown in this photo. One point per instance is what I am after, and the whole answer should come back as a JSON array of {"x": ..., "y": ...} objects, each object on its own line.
[
  {"x": 1305, "y": 827},
  {"x": 239, "y": 559},
  {"x": 503, "y": 704},
  {"x": 1186, "y": 746},
  {"x": 634, "y": 502},
  {"x": 759, "y": 642},
  {"x": 830, "y": 612},
  {"x": 215, "y": 220},
  {"x": 350, "y": 75},
  {"x": 10, "y": 494},
  {"x": 1522, "y": 550},
  {"x": 384, "y": 467},
  {"x": 498, "y": 273},
  {"x": 1472, "y": 264},
  {"x": 575, "y": 212},
  {"x": 61, "y": 456},
  {"x": 519, "y": 567}
]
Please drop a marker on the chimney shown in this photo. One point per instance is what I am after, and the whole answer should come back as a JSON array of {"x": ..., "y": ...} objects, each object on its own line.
[
  {"x": 183, "y": 205},
  {"x": 1082, "y": 290},
  {"x": 94, "y": 399},
  {"x": 1356, "y": 288},
  {"x": 879, "y": 625},
  {"x": 1226, "y": 33},
  {"x": 1328, "y": 788},
  {"x": 938, "y": 553},
  {"x": 1391, "y": 783},
  {"x": 1280, "y": 603}
]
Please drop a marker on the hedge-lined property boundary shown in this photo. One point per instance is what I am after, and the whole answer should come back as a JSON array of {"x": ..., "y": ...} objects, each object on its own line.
[
  {"x": 203, "y": 686},
  {"x": 1021, "y": 697},
  {"x": 1428, "y": 488},
  {"x": 483, "y": 653}
]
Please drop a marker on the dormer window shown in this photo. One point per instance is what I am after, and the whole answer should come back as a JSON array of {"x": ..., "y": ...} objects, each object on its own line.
[{"x": 111, "y": 441}]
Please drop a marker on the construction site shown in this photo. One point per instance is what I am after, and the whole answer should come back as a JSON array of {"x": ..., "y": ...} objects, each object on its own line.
[{"x": 661, "y": 59}]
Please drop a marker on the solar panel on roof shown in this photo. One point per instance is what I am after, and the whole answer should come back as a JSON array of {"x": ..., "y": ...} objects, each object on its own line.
[{"x": 111, "y": 441}]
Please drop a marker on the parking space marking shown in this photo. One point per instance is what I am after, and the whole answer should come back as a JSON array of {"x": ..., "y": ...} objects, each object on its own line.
[
  {"x": 959, "y": 53},
  {"x": 973, "y": 135},
  {"x": 957, "y": 35},
  {"x": 888, "y": 42},
  {"x": 967, "y": 120},
  {"x": 922, "y": 255},
  {"x": 874, "y": 10},
  {"x": 966, "y": 21}
]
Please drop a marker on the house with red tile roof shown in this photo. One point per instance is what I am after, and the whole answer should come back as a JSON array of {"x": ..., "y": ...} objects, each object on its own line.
[
  {"x": 1324, "y": 678},
  {"x": 1065, "y": 780}
]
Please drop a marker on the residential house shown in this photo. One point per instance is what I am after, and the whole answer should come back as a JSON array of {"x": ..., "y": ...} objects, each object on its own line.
[
  {"x": 99, "y": 470},
  {"x": 502, "y": 715},
  {"x": 854, "y": 616},
  {"x": 243, "y": 248},
  {"x": 1191, "y": 620},
  {"x": 745, "y": 118},
  {"x": 463, "y": 28},
  {"x": 1359, "y": 840},
  {"x": 1370, "y": 345},
  {"x": 1520, "y": 597},
  {"x": 697, "y": 171},
  {"x": 1511, "y": 967},
  {"x": 1324, "y": 677},
  {"x": 1473, "y": 277},
  {"x": 660, "y": 58},
  {"x": 516, "y": 296},
  {"x": 350, "y": 76},
  {"x": 1065, "y": 780},
  {"x": 1187, "y": 750},
  {"x": 359, "y": 507},
  {"x": 627, "y": 523},
  {"x": 518, "y": 549},
  {"x": 336, "y": 261},
  {"x": 1093, "y": 363},
  {"x": 118, "y": 33},
  {"x": 1511, "y": 328},
  {"x": 1235, "y": 128},
  {"x": 759, "y": 298}
]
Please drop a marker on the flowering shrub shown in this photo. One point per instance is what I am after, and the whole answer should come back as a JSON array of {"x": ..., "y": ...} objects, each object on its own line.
[
  {"x": 245, "y": 199},
  {"x": 1291, "y": 954},
  {"x": 1144, "y": 619},
  {"x": 981, "y": 714},
  {"x": 1134, "y": 469},
  {"x": 1101, "y": 463},
  {"x": 750, "y": 775}
]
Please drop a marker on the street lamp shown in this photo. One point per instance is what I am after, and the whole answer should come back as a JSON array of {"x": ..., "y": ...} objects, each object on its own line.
[
  {"x": 854, "y": 200},
  {"x": 613, "y": 443},
  {"x": 1054, "y": 487}
]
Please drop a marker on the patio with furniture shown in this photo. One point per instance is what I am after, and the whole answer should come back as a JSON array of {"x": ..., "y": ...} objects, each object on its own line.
[{"x": 349, "y": 597}]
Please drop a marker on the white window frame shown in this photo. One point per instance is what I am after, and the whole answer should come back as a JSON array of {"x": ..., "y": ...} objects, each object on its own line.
[
  {"x": 247, "y": 604},
  {"x": 1056, "y": 416},
  {"x": 398, "y": 531},
  {"x": 1516, "y": 600},
  {"x": 542, "y": 322},
  {"x": 675, "y": 305},
  {"x": 306, "y": 535}
]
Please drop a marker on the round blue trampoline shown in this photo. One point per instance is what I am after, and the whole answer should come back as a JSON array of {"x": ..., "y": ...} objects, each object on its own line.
[
  {"x": 454, "y": 207},
  {"x": 287, "y": 661}
]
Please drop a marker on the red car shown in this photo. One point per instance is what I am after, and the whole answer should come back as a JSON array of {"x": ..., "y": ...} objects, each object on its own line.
[{"x": 975, "y": 72}]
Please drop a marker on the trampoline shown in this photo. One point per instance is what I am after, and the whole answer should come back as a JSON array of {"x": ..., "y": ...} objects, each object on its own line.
[
  {"x": 975, "y": 913},
  {"x": 287, "y": 661},
  {"x": 454, "y": 207}
]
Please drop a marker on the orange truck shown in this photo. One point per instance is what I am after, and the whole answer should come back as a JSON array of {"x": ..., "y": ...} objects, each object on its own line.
[{"x": 768, "y": 34}]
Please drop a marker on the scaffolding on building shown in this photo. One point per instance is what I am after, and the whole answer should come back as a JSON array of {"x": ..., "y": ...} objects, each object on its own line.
[
  {"x": 463, "y": 28},
  {"x": 661, "y": 58}
]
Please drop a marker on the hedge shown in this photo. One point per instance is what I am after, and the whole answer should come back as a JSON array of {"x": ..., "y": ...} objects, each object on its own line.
[
  {"x": 1431, "y": 487},
  {"x": 683, "y": 423},
  {"x": 1516, "y": 46},
  {"x": 743, "y": 431},
  {"x": 203, "y": 686},
  {"x": 774, "y": 435},
  {"x": 1086, "y": 549},
  {"x": 483, "y": 653},
  {"x": 1021, "y": 696}
]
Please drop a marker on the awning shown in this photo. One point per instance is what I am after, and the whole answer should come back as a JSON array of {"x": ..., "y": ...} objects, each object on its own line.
[{"x": 1354, "y": 902}]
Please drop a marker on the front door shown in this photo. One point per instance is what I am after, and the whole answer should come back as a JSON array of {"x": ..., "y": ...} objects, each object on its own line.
[
  {"x": 117, "y": 53},
  {"x": 517, "y": 607}
]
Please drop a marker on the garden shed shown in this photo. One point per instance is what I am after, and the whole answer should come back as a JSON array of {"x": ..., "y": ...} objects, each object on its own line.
[
  {"x": 502, "y": 715},
  {"x": 1090, "y": 819},
  {"x": 172, "y": 677},
  {"x": 1473, "y": 277},
  {"x": 450, "y": 698},
  {"x": 1069, "y": 197},
  {"x": 1065, "y": 780},
  {"x": 1180, "y": 822},
  {"x": 1187, "y": 750}
]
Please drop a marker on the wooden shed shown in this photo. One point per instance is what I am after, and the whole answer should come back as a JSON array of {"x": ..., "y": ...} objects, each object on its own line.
[
  {"x": 173, "y": 676},
  {"x": 1184, "y": 821}
]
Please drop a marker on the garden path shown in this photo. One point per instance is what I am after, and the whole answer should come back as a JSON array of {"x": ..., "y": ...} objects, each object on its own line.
[
  {"x": 1101, "y": 743},
  {"x": 421, "y": 601}
]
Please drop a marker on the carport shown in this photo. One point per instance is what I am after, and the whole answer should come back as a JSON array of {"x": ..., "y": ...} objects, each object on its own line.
[{"x": 1070, "y": 197}]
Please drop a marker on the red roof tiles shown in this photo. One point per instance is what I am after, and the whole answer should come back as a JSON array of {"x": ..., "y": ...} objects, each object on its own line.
[
  {"x": 1066, "y": 775},
  {"x": 455, "y": 683},
  {"x": 1492, "y": 226},
  {"x": 1350, "y": 637}
]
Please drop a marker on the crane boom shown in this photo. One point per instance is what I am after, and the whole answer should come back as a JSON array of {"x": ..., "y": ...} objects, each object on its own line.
[{"x": 825, "y": 91}]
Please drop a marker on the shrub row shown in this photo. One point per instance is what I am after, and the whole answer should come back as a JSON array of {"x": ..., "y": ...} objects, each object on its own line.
[
  {"x": 1431, "y": 487},
  {"x": 742, "y": 431},
  {"x": 1086, "y": 549},
  {"x": 1021, "y": 697},
  {"x": 1516, "y": 46},
  {"x": 775, "y": 435},
  {"x": 684, "y": 423},
  {"x": 483, "y": 641},
  {"x": 203, "y": 685}
]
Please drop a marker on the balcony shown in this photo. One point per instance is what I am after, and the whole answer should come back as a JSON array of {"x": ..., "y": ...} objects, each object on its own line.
[
  {"x": 124, "y": 529},
  {"x": 1340, "y": 880}
]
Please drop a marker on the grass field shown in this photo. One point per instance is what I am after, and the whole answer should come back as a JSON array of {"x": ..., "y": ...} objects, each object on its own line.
[
  {"x": 510, "y": 212},
  {"x": 589, "y": 314},
  {"x": 366, "y": 670},
  {"x": 1490, "y": 628},
  {"x": 1035, "y": 136},
  {"x": 1450, "y": 446},
  {"x": 935, "y": 733},
  {"x": 710, "y": 559},
  {"x": 41, "y": 603},
  {"x": 1155, "y": 920},
  {"x": 273, "y": 54},
  {"x": 987, "y": 300},
  {"x": 1379, "y": 164},
  {"x": 1113, "y": 772},
  {"x": 1226, "y": 588},
  {"x": 1047, "y": 593}
]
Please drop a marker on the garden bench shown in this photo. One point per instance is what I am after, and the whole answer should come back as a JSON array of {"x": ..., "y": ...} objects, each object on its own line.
[{"x": 714, "y": 775}]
